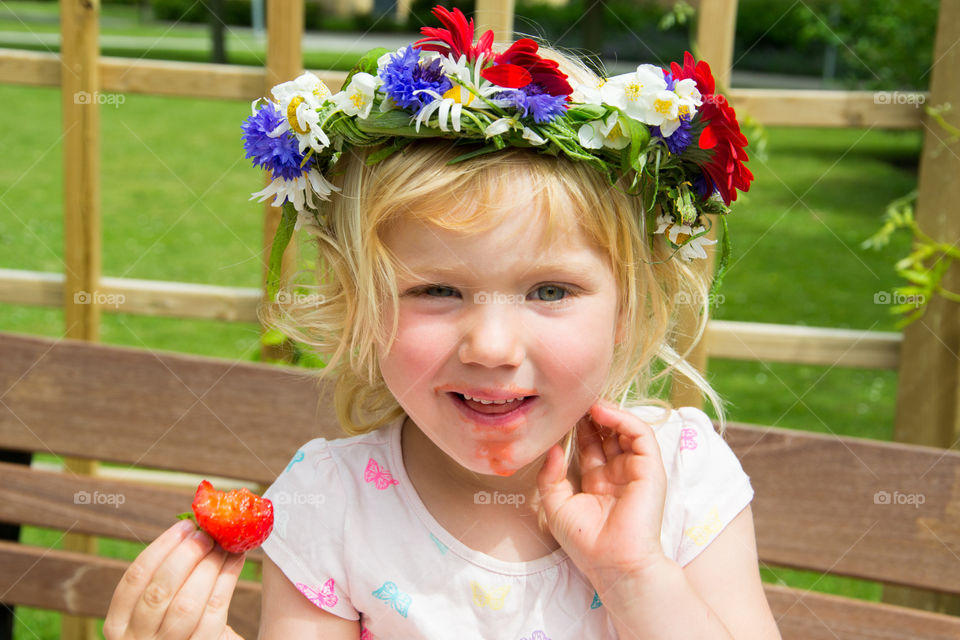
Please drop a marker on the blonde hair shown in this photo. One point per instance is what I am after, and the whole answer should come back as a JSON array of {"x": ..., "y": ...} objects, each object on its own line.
[{"x": 356, "y": 272}]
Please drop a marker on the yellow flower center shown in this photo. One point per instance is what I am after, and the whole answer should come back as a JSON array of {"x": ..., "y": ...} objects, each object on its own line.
[
  {"x": 662, "y": 107},
  {"x": 459, "y": 94},
  {"x": 683, "y": 110},
  {"x": 357, "y": 99},
  {"x": 634, "y": 90},
  {"x": 682, "y": 239},
  {"x": 322, "y": 92},
  {"x": 292, "y": 115}
]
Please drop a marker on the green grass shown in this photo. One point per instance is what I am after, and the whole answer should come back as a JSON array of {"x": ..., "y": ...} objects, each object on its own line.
[{"x": 174, "y": 205}]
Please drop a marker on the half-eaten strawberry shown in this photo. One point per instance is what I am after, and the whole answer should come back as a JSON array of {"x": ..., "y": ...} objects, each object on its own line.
[{"x": 238, "y": 520}]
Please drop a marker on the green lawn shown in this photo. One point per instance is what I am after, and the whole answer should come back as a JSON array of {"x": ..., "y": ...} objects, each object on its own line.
[{"x": 174, "y": 201}]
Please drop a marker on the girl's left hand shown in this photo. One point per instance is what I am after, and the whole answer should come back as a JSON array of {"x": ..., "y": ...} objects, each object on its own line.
[{"x": 612, "y": 526}]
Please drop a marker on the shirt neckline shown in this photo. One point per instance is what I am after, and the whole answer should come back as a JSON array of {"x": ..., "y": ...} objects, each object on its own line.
[{"x": 412, "y": 499}]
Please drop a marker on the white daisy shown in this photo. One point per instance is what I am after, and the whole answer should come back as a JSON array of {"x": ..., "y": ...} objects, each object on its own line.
[
  {"x": 450, "y": 105},
  {"x": 299, "y": 99},
  {"x": 298, "y": 191},
  {"x": 690, "y": 247}
]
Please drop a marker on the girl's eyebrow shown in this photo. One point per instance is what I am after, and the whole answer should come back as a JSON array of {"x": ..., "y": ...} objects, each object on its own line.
[{"x": 572, "y": 267}]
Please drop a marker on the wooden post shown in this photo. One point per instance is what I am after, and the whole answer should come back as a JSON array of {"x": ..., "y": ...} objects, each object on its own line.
[
  {"x": 284, "y": 62},
  {"x": 80, "y": 96},
  {"x": 716, "y": 28},
  {"x": 496, "y": 15},
  {"x": 928, "y": 388}
]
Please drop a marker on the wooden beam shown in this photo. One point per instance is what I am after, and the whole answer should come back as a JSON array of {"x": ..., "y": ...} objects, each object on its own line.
[
  {"x": 80, "y": 99},
  {"x": 496, "y": 15},
  {"x": 716, "y": 31},
  {"x": 803, "y": 345},
  {"x": 154, "y": 77},
  {"x": 284, "y": 63},
  {"x": 928, "y": 391},
  {"x": 808, "y": 108}
]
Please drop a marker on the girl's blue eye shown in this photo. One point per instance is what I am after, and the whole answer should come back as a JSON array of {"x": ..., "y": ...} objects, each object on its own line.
[
  {"x": 438, "y": 291},
  {"x": 552, "y": 292}
]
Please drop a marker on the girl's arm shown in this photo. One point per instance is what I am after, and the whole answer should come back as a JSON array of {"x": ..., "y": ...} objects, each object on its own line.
[
  {"x": 718, "y": 595},
  {"x": 286, "y": 613}
]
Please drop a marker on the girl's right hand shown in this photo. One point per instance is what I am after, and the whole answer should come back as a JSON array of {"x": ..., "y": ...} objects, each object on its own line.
[{"x": 178, "y": 587}]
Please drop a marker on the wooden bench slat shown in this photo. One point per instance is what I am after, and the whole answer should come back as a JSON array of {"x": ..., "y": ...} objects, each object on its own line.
[
  {"x": 157, "y": 409},
  {"x": 35, "y": 577},
  {"x": 79, "y": 584},
  {"x": 817, "y": 505},
  {"x": 809, "y": 615},
  {"x": 91, "y": 504}
]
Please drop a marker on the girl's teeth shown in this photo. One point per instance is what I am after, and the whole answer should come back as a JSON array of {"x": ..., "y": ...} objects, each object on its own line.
[{"x": 490, "y": 401}]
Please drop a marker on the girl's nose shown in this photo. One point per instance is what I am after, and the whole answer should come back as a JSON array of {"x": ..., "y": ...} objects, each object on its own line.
[{"x": 492, "y": 335}]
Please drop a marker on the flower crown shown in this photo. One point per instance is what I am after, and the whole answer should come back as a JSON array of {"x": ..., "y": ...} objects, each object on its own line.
[{"x": 663, "y": 135}]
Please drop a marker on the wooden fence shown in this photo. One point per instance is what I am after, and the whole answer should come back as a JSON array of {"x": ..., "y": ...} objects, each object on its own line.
[{"x": 926, "y": 350}]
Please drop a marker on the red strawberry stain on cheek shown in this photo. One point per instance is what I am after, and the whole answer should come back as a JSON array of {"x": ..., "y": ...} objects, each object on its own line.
[{"x": 499, "y": 455}]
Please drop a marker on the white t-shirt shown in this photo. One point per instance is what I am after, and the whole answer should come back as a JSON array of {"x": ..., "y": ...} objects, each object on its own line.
[{"x": 351, "y": 533}]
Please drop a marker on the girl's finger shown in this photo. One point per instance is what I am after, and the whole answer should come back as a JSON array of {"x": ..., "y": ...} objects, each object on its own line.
[
  {"x": 214, "y": 619},
  {"x": 590, "y": 444},
  {"x": 140, "y": 572},
  {"x": 150, "y": 609},
  {"x": 620, "y": 421},
  {"x": 187, "y": 607},
  {"x": 552, "y": 481}
]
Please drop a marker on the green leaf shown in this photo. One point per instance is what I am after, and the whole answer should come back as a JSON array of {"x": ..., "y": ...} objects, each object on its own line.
[
  {"x": 366, "y": 64},
  {"x": 587, "y": 112},
  {"x": 724, "y": 259}
]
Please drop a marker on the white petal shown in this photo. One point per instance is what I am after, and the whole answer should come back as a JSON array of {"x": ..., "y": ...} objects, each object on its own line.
[
  {"x": 590, "y": 135},
  {"x": 455, "y": 115},
  {"x": 501, "y": 125},
  {"x": 532, "y": 136}
]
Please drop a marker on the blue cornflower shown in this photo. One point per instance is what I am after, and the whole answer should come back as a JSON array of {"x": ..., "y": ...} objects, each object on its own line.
[
  {"x": 670, "y": 80},
  {"x": 704, "y": 186},
  {"x": 404, "y": 75},
  {"x": 680, "y": 139},
  {"x": 281, "y": 155},
  {"x": 534, "y": 100}
]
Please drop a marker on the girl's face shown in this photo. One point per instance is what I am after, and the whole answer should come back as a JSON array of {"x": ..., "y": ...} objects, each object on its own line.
[{"x": 498, "y": 315}]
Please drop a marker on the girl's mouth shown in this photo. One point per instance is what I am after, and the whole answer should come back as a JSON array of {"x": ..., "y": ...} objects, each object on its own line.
[{"x": 492, "y": 414}]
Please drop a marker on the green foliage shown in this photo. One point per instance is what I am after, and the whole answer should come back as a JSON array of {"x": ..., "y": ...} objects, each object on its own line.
[{"x": 886, "y": 44}]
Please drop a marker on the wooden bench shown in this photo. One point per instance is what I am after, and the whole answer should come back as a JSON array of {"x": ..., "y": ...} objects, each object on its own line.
[{"x": 844, "y": 506}]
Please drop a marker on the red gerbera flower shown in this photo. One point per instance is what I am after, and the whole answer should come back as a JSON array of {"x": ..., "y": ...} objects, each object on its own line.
[
  {"x": 721, "y": 136},
  {"x": 457, "y": 38},
  {"x": 520, "y": 65}
]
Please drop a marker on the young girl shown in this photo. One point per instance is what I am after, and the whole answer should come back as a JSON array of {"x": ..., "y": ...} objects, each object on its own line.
[{"x": 480, "y": 306}]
